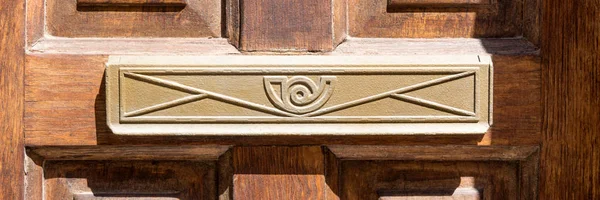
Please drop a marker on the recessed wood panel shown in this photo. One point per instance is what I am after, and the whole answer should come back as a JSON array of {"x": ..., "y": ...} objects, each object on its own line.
[
  {"x": 129, "y": 179},
  {"x": 196, "y": 18},
  {"x": 435, "y": 18},
  {"x": 367, "y": 180}
]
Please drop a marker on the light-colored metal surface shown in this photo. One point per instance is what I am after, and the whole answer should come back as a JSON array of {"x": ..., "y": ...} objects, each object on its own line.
[{"x": 299, "y": 95}]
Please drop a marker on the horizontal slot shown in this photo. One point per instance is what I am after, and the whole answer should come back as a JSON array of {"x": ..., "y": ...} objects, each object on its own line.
[{"x": 131, "y": 3}]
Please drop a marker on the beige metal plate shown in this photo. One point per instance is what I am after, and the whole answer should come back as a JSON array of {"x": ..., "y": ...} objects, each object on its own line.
[{"x": 299, "y": 95}]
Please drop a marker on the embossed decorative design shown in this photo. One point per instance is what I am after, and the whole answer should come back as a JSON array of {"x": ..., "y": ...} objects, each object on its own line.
[
  {"x": 299, "y": 94},
  {"x": 262, "y": 98}
]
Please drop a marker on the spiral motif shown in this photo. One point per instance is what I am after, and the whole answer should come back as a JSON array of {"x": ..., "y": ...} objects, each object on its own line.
[{"x": 299, "y": 94}]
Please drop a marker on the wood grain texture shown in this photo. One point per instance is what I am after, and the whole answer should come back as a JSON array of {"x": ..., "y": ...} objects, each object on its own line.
[
  {"x": 225, "y": 173},
  {"x": 271, "y": 172},
  {"x": 290, "y": 25},
  {"x": 200, "y": 18},
  {"x": 369, "y": 18},
  {"x": 129, "y": 179},
  {"x": 438, "y": 153},
  {"x": 367, "y": 180},
  {"x": 332, "y": 175},
  {"x": 175, "y": 3},
  {"x": 532, "y": 21},
  {"x": 133, "y": 46},
  {"x": 232, "y": 13},
  {"x": 12, "y": 41},
  {"x": 436, "y": 3},
  {"x": 340, "y": 21},
  {"x": 59, "y": 97},
  {"x": 517, "y": 95},
  {"x": 35, "y": 20},
  {"x": 570, "y": 160},
  {"x": 34, "y": 176},
  {"x": 113, "y": 152}
]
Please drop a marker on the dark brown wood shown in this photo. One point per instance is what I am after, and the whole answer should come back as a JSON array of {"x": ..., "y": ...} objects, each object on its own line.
[
  {"x": 278, "y": 173},
  {"x": 437, "y": 172},
  {"x": 332, "y": 175},
  {"x": 273, "y": 25},
  {"x": 517, "y": 95},
  {"x": 529, "y": 176},
  {"x": 225, "y": 173},
  {"x": 199, "y": 19},
  {"x": 429, "y": 180},
  {"x": 12, "y": 41},
  {"x": 211, "y": 152},
  {"x": 368, "y": 18},
  {"x": 570, "y": 160},
  {"x": 532, "y": 21},
  {"x": 175, "y": 3},
  {"x": 130, "y": 179},
  {"x": 438, "y": 153},
  {"x": 437, "y": 3}
]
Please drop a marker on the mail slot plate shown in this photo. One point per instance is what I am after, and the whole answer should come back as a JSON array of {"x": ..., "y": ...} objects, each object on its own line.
[{"x": 299, "y": 95}]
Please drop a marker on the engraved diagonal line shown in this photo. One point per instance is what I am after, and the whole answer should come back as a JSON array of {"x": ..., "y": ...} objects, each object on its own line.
[
  {"x": 166, "y": 105},
  {"x": 216, "y": 96},
  {"x": 388, "y": 94},
  {"x": 434, "y": 105}
]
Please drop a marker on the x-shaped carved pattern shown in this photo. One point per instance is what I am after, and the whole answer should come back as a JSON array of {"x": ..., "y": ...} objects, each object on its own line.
[{"x": 197, "y": 94}]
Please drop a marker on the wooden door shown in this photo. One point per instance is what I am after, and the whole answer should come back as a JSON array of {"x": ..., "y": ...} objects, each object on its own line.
[{"x": 55, "y": 142}]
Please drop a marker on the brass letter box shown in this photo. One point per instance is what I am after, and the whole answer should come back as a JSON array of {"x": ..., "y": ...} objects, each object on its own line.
[{"x": 299, "y": 95}]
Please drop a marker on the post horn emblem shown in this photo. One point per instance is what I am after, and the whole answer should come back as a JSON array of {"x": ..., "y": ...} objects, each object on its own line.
[{"x": 298, "y": 94}]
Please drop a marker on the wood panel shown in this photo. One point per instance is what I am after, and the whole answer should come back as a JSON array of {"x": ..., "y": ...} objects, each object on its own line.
[
  {"x": 570, "y": 160},
  {"x": 436, "y": 172},
  {"x": 12, "y": 41},
  {"x": 368, "y": 18},
  {"x": 132, "y": 172},
  {"x": 429, "y": 180},
  {"x": 295, "y": 25},
  {"x": 199, "y": 18},
  {"x": 278, "y": 172},
  {"x": 130, "y": 179}
]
